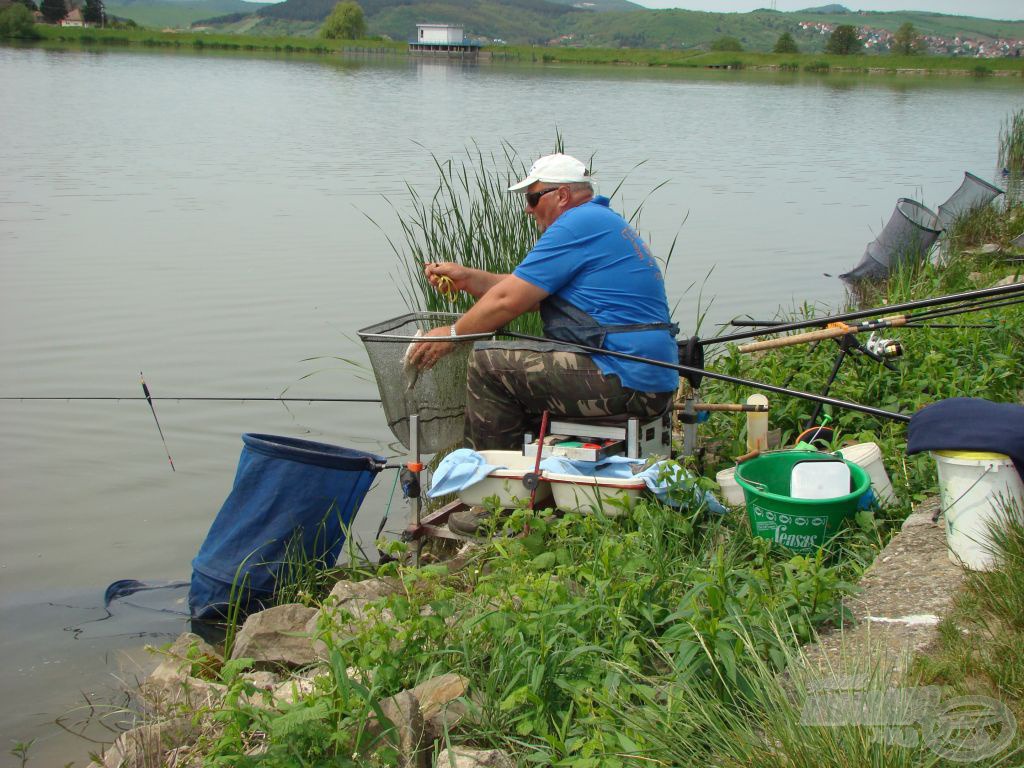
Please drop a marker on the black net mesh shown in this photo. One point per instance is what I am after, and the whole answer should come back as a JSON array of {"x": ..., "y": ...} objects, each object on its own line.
[
  {"x": 437, "y": 395},
  {"x": 972, "y": 193}
]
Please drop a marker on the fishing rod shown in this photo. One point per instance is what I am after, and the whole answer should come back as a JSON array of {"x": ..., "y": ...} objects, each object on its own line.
[
  {"x": 208, "y": 399},
  {"x": 699, "y": 372},
  {"x": 966, "y": 297},
  {"x": 769, "y": 323},
  {"x": 840, "y": 330}
]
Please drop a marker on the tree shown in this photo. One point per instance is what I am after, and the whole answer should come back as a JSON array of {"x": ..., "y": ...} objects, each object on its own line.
[
  {"x": 906, "y": 41},
  {"x": 53, "y": 10},
  {"x": 92, "y": 12},
  {"x": 726, "y": 44},
  {"x": 785, "y": 44},
  {"x": 30, "y": 4},
  {"x": 16, "y": 21},
  {"x": 843, "y": 40},
  {"x": 346, "y": 22}
]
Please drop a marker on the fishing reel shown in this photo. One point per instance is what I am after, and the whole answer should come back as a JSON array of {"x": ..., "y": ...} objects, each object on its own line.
[{"x": 883, "y": 349}]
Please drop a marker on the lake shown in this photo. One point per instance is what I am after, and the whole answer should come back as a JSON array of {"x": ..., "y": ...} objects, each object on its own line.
[{"x": 217, "y": 222}]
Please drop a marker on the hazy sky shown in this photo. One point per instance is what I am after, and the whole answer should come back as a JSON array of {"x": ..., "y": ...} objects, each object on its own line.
[{"x": 989, "y": 9}]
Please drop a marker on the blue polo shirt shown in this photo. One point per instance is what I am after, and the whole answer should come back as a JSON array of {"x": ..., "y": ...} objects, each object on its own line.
[{"x": 591, "y": 257}]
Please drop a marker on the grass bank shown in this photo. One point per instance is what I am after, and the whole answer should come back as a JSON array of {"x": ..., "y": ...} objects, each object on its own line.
[
  {"x": 654, "y": 635},
  {"x": 639, "y": 57}
]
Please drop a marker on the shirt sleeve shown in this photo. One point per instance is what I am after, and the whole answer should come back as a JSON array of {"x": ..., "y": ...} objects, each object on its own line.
[{"x": 554, "y": 261}]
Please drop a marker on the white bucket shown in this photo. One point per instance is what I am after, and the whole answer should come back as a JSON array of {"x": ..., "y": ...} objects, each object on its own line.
[
  {"x": 868, "y": 456},
  {"x": 972, "y": 487},
  {"x": 731, "y": 491}
]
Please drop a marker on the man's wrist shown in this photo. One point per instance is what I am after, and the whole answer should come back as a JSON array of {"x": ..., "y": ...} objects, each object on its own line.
[{"x": 451, "y": 330}]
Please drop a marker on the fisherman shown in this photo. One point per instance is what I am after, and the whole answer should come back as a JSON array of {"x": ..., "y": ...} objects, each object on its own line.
[{"x": 595, "y": 282}]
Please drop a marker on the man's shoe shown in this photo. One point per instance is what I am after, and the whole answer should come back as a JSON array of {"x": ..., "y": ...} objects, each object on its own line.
[{"x": 468, "y": 521}]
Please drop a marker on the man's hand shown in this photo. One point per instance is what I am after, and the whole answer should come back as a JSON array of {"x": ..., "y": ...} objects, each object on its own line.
[
  {"x": 425, "y": 354},
  {"x": 448, "y": 273}
]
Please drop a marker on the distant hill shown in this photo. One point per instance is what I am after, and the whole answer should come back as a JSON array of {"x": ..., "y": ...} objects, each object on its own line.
[
  {"x": 177, "y": 14},
  {"x": 592, "y": 23}
]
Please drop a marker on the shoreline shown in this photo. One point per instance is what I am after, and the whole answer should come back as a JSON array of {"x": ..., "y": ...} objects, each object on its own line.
[{"x": 810, "y": 63}]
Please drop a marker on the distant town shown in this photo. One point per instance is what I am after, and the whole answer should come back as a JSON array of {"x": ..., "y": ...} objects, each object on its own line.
[{"x": 881, "y": 40}]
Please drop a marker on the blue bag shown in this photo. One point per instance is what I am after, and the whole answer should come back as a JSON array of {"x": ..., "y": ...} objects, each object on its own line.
[{"x": 287, "y": 493}]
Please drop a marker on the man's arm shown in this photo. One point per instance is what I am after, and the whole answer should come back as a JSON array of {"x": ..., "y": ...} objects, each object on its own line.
[
  {"x": 475, "y": 282},
  {"x": 506, "y": 300}
]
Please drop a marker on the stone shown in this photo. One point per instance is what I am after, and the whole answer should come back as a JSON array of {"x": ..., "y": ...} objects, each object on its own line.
[
  {"x": 904, "y": 595},
  {"x": 438, "y": 691},
  {"x": 407, "y": 732},
  {"x": 277, "y": 636},
  {"x": 149, "y": 744},
  {"x": 173, "y": 683},
  {"x": 463, "y": 757},
  {"x": 369, "y": 590}
]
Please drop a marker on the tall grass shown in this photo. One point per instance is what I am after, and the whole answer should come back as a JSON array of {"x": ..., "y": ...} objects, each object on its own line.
[
  {"x": 1011, "y": 153},
  {"x": 469, "y": 218}
]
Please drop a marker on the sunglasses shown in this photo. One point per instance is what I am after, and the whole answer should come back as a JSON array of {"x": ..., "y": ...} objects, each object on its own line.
[{"x": 532, "y": 198}]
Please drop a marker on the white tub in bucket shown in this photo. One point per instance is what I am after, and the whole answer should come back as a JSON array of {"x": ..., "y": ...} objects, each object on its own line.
[
  {"x": 972, "y": 489},
  {"x": 868, "y": 456},
  {"x": 731, "y": 491},
  {"x": 506, "y": 484}
]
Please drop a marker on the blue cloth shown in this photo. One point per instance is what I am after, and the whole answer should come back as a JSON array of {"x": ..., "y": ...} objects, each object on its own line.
[
  {"x": 969, "y": 424},
  {"x": 660, "y": 478},
  {"x": 591, "y": 257},
  {"x": 459, "y": 469}
]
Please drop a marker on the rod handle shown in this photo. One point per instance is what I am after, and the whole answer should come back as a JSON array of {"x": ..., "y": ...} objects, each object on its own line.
[
  {"x": 832, "y": 332},
  {"x": 800, "y": 338}
]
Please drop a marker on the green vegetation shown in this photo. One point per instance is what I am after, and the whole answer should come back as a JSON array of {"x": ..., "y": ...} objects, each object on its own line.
[
  {"x": 53, "y": 10},
  {"x": 785, "y": 44},
  {"x": 726, "y": 44},
  {"x": 16, "y": 22},
  {"x": 907, "y": 42},
  {"x": 1011, "y": 147},
  {"x": 346, "y": 22},
  {"x": 843, "y": 41},
  {"x": 178, "y": 14},
  {"x": 981, "y": 643}
]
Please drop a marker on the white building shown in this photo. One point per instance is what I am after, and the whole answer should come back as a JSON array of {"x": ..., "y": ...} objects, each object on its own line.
[{"x": 439, "y": 34}]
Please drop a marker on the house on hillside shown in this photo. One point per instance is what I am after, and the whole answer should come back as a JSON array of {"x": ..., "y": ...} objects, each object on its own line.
[
  {"x": 446, "y": 40},
  {"x": 73, "y": 19}
]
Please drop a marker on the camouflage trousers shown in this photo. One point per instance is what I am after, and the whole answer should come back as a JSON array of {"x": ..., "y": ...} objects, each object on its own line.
[{"x": 510, "y": 384}]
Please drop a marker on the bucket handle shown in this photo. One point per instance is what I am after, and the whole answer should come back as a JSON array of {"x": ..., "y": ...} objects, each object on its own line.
[{"x": 940, "y": 511}]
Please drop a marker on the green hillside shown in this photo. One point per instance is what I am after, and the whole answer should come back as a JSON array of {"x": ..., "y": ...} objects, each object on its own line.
[
  {"x": 177, "y": 14},
  {"x": 605, "y": 23}
]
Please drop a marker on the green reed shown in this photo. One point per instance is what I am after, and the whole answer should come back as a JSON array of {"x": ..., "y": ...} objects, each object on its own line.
[{"x": 1011, "y": 146}]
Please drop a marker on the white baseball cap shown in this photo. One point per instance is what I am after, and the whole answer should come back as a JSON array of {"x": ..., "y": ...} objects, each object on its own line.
[{"x": 557, "y": 169}]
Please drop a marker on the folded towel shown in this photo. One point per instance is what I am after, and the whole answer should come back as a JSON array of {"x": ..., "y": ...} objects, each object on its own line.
[
  {"x": 459, "y": 469},
  {"x": 618, "y": 467}
]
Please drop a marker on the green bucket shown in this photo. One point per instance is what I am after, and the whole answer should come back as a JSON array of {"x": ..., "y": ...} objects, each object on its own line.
[{"x": 802, "y": 525}]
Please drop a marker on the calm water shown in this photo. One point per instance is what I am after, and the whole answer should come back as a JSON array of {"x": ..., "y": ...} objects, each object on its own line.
[{"x": 205, "y": 219}]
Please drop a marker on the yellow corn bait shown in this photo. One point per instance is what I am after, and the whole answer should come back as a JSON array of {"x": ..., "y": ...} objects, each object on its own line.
[{"x": 445, "y": 285}]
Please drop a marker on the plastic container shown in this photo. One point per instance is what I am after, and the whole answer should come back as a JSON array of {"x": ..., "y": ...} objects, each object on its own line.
[
  {"x": 973, "y": 487},
  {"x": 757, "y": 425},
  {"x": 731, "y": 491},
  {"x": 506, "y": 484},
  {"x": 819, "y": 479},
  {"x": 868, "y": 456},
  {"x": 582, "y": 493},
  {"x": 802, "y": 525}
]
